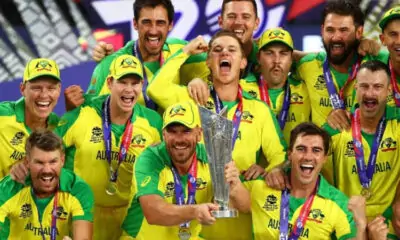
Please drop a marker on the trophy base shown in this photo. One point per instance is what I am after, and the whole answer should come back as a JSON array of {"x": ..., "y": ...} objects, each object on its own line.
[{"x": 228, "y": 213}]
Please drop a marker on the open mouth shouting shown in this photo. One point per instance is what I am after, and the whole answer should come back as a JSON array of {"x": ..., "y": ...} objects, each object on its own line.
[
  {"x": 225, "y": 67},
  {"x": 42, "y": 105},
  {"x": 127, "y": 101},
  {"x": 153, "y": 41},
  {"x": 307, "y": 169},
  {"x": 337, "y": 48},
  {"x": 370, "y": 104},
  {"x": 239, "y": 33}
]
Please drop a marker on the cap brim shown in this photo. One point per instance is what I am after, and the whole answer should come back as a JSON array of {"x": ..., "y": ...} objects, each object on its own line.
[
  {"x": 127, "y": 74},
  {"x": 43, "y": 75},
  {"x": 384, "y": 22},
  {"x": 276, "y": 41},
  {"x": 179, "y": 122}
]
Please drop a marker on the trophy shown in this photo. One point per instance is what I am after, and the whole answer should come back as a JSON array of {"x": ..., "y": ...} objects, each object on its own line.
[{"x": 218, "y": 133}]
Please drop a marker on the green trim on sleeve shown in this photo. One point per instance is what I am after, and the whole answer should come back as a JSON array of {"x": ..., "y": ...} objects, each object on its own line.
[
  {"x": 134, "y": 219},
  {"x": 152, "y": 117},
  {"x": 5, "y": 229},
  {"x": 171, "y": 40},
  {"x": 201, "y": 57},
  {"x": 320, "y": 56},
  {"x": 7, "y": 108},
  {"x": 332, "y": 132}
]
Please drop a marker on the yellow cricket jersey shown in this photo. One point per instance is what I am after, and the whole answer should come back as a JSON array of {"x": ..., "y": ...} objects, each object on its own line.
[
  {"x": 328, "y": 217},
  {"x": 194, "y": 67},
  {"x": 82, "y": 132},
  {"x": 387, "y": 167},
  {"x": 258, "y": 135},
  {"x": 299, "y": 109},
  {"x": 310, "y": 70},
  {"x": 14, "y": 132},
  {"x": 153, "y": 175},
  {"x": 20, "y": 210}
]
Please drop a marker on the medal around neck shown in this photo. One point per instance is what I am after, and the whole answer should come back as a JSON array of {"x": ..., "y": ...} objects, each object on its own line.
[
  {"x": 184, "y": 233},
  {"x": 218, "y": 134},
  {"x": 366, "y": 192},
  {"x": 111, "y": 188}
]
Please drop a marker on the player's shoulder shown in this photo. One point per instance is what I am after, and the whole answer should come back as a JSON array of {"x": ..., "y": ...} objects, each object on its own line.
[
  {"x": 72, "y": 183},
  {"x": 7, "y": 108},
  {"x": 318, "y": 57},
  {"x": 329, "y": 192},
  {"x": 153, "y": 118},
  {"x": 9, "y": 188},
  {"x": 175, "y": 41}
]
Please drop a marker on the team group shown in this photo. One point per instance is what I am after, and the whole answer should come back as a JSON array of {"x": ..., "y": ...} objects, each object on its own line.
[{"x": 315, "y": 135}]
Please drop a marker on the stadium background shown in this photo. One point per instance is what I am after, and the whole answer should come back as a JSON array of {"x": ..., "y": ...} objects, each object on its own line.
[{"x": 67, "y": 30}]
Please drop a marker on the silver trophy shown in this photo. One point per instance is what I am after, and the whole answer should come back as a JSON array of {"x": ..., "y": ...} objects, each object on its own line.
[{"x": 218, "y": 133}]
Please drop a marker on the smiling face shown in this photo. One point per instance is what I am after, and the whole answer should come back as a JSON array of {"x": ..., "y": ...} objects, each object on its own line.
[
  {"x": 307, "y": 157},
  {"x": 45, "y": 168},
  {"x": 153, "y": 27},
  {"x": 239, "y": 17},
  {"x": 391, "y": 39},
  {"x": 275, "y": 61},
  {"x": 372, "y": 89},
  {"x": 125, "y": 92},
  {"x": 340, "y": 37},
  {"x": 181, "y": 141},
  {"x": 226, "y": 60},
  {"x": 41, "y": 96}
]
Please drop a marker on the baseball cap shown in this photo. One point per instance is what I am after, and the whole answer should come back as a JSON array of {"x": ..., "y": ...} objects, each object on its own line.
[
  {"x": 185, "y": 113},
  {"x": 126, "y": 65},
  {"x": 40, "y": 67},
  {"x": 389, "y": 15},
  {"x": 275, "y": 35}
]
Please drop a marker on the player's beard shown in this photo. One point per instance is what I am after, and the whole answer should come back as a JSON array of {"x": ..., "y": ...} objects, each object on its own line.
[{"x": 349, "y": 47}]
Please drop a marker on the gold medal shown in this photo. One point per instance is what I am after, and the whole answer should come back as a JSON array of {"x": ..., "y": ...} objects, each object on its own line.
[
  {"x": 111, "y": 188},
  {"x": 366, "y": 192},
  {"x": 184, "y": 233}
]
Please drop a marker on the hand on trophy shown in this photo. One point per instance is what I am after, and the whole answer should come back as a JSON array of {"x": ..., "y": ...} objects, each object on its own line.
[
  {"x": 203, "y": 213},
  {"x": 254, "y": 172},
  {"x": 277, "y": 179},
  {"x": 199, "y": 91},
  {"x": 232, "y": 174}
]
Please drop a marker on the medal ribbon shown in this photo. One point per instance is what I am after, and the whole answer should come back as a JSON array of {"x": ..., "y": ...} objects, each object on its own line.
[
  {"x": 337, "y": 100},
  {"x": 238, "y": 112},
  {"x": 264, "y": 96},
  {"x": 365, "y": 173},
  {"x": 301, "y": 220},
  {"x": 126, "y": 139},
  {"x": 191, "y": 183},
  {"x": 136, "y": 52},
  {"x": 396, "y": 90},
  {"x": 53, "y": 229}
]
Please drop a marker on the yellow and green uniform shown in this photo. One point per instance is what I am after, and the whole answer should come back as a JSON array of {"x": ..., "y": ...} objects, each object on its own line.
[
  {"x": 153, "y": 175},
  {"x": 343, "y": 168},
  {"x": 194, "y": 67},
  {"x": 14, "y": 132},
  {"x": 383, "y": 56},
  {"x": 328, "y": 217},
  {"x": 258, "y": 135},
  {"x": 20, "y": 211},
  {"x": 310, "y": 70},
  {"x": 82, "y": 132},
  {"x": 299, "y": 109}
]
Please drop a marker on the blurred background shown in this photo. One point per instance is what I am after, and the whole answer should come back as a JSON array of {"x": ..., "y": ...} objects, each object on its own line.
[{"x": 67, "y": 30}]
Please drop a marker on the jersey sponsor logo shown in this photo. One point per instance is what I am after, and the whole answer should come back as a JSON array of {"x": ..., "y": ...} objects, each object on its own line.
[
  {"x": 61, "y": 213},
  {"x": 17, "y": 156},
  {"x": 271, "y": 203},
  {"x": 379, "y": 167},
  {"x": 169, "y": 189},
  {"x": 26, "y": 211},
  {"x": 320, "y": 84},
  {"x": 145, "y": 181},
  {"x": 94, "y": 81},
  {"x": 247, "y": 117},
  {"x": 200, "y": 184},
  {"x": 253, "y": 93},
  {"x": 388, "y": 144},
  {"x": 349, "y": 152},
  {"x": 177, "y": 111},
  {"x": 210, "y": 105},
  {"x": 97, "y": 135},
  {"x": 274, "y": 224},
  {"x": 138, "y": 141},
  {"x": 316, "y": 215},
  {"x": 17, "y": 139},
  {"x": 62, "y": 122},
  {"x": 296, "y": 98},
  {"x": 101, "y": 155},
  {"x": 38, "y": 231}
]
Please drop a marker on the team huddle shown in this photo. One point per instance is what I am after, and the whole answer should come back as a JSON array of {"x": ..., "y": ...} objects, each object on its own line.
[{"x": 315, "y": 152}]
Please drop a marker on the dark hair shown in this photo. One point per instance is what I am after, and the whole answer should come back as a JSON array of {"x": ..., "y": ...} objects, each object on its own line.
[
  {"x": 223, "y": 33},
  {"x": 138, "y": 5},
  {"x": 374, "y": 66},
  {"x": 44, "y": 140},
  {"x": 307, "y": 129},
  {"x": 228, "y": 1},
  {"x": 344, "y": 8}
]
